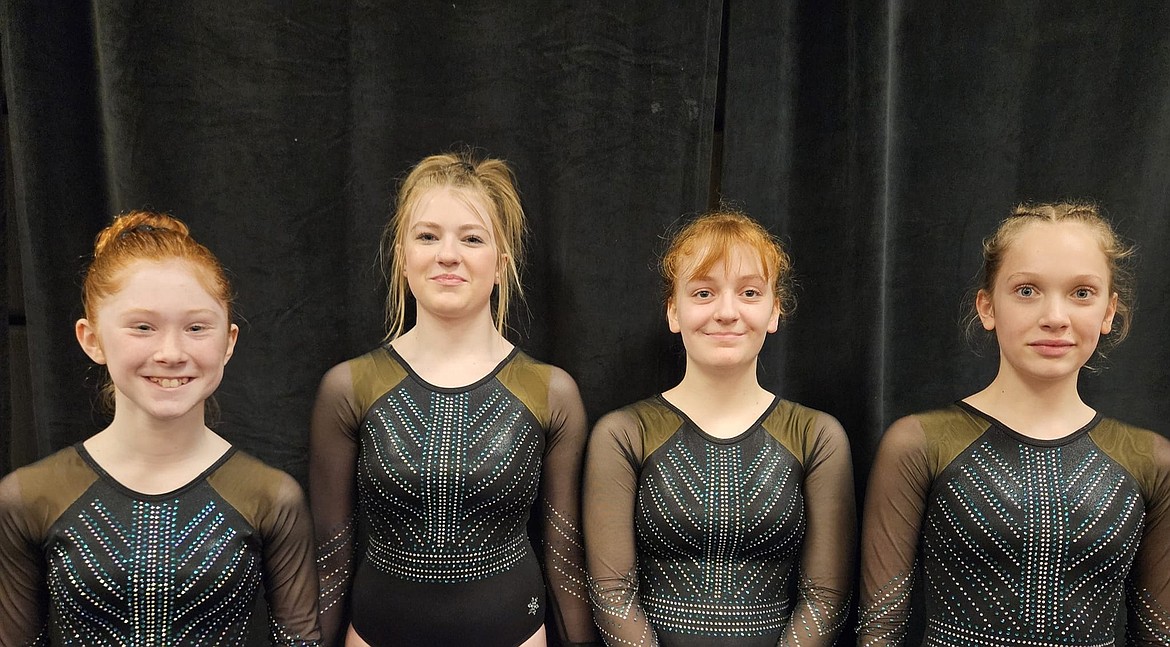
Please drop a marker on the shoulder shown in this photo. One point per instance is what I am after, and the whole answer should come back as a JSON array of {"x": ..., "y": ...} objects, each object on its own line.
[
  {"x": 253, "y": 487},
  {"x": 936, "y": 436},
  {"x": 46, "y": 488},
  {"x": 362, "y": 379},
  {"x": 791, "y": 417},
  {"x": 1141, "y": 452}
]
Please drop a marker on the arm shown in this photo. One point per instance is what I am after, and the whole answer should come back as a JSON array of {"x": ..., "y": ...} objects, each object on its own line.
[
  {"x": 1148, "y": 590},
  {"x": 611, "y": 484},
  {"x": 290, "y": 581},
  {"x": 333, "y": 449},
  {"x": 23, "y": 594},
  {"x": 564, "y": 557},
  {"x": 894, "y": 507},
  {"x": 826, "y": 560}
]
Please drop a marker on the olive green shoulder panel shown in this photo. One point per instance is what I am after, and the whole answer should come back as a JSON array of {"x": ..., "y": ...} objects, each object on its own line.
[
  {"x": 373, "y": 374},
  {"x": 658, "y": 422}
]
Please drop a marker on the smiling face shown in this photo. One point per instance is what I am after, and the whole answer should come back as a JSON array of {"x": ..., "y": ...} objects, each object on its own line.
[
  {"x": 451, "y": 258},
  {"x": 1050, "y": 302},
  {"x": 164, "y": 339},
  {"x": 724, "y": 314}
]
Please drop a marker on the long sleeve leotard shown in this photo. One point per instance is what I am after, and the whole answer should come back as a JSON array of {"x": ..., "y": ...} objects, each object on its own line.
[
  {"x": 440, "y": 484},
  {"x": 86, "y": 561},
  {"x": 1021, "y": 542},
  {"x": 699, "y": 541}
]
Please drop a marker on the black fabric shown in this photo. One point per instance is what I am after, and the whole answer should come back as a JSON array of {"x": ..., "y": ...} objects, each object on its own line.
[{"x": 881, "y": 140}]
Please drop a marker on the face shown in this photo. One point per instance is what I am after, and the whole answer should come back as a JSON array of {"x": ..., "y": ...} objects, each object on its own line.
[
  {"x": 1050, "y": 302},
  {"x": 724, "y": 316},
  {"x": 164, "y": 339},
  {"x": 450, "y": 256}
]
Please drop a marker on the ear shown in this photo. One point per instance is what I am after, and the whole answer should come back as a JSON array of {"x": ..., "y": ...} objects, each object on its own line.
[
  {"x": 774, "y": 320},
  {"x": 1110, "y": 312},
  {"x": 672, "y": 316},
  {"x": 233, "y": 334},
  {"x": 87, "y": 337},
  {"x": 985, "y": 310}
]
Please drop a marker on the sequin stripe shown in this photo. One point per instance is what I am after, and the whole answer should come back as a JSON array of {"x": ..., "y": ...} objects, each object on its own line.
[
  {"x": 614, "y": 607},
  {"x": 826, "y": 613},
  {"x": 454, "y": 566},
  {"x": 941, "y": 634},
  {"x": 711, "y": 617},
  {"x": 566, "y": 553},
  {"x": 280, "y": 636},
  {"x": 616, "y": 601},
  {"x": 882, "y": 619},
  {"x": 1153, "y": 618},
  {"x": 335, "y": 565}
]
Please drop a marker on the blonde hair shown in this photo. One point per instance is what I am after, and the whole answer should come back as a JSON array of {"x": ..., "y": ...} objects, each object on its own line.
[
  {"x": 709, "y": 238},
  {"x": 1118, "y": 254},
  {"x": 147, "y": 236},
  {"x": 490, "y": 180}
]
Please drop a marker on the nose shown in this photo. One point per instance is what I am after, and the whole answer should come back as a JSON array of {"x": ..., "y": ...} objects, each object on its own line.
[
  {"x": 1055, "y": 315},
  {"x": 170, "y": 349},
  {"x": 725, "y": 308},
  {"x": 447, "y": 252}
]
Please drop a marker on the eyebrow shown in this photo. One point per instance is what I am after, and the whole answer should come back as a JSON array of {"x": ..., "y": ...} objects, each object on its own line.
[
  {"x": 466, "y": 227},
  {"x": 1033, "y": 275},
  {"x": 201, "y": 312}
]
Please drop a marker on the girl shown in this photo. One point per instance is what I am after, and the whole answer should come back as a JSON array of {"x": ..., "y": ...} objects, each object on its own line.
[
  {"x": 1027, "y": 509},
  {"x": 438, "y": 444},
  {"x": 707, "y": 504},
  {"x": 154, "y": 531}
]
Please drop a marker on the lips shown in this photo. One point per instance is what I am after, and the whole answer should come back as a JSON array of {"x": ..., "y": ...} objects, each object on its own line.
[
  {"x": 448, "y": 279},
  {"x": 170, "y": 382},
  {"x": 1052, "y": 347}
]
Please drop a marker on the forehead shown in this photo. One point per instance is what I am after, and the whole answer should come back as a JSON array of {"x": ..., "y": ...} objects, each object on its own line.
[
  {"x": 451, "y": 206},
  {"x": 1071, "y": 241},
  {"x": 736, "y": 260},
  {"x": 171, "y": 283}
]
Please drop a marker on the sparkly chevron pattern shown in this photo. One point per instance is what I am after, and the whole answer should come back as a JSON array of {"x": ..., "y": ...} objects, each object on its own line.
[
  {"x": 719, "y": 527},
  {"x": 162, "y": 573},
  {"x": 447, "y": 481},
  {"x": 1029, "y": 545}
]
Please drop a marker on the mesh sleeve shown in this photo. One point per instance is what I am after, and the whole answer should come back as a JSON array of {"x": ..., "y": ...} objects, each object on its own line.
[
  {"x": 333, "y": 449},
  {"x": 1148, "y": 587},
  {"x": 895, "y": 503},
  {"x": 564, "y": 553},
  {"x": 827, "y": 554},
  {"x": 23, "y": 595},
  {"x": 290, "y": 581},
  {"x": 611, "y": 483}
]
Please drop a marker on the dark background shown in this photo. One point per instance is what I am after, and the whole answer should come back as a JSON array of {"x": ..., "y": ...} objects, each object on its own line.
[{"x": 880, "y": 140}]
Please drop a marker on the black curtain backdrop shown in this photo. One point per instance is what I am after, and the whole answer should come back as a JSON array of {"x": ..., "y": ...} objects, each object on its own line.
[{"x": 880, "y": 140}]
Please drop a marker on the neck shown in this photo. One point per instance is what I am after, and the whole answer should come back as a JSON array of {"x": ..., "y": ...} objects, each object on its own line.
[
  {"x": 435, "y": 337},
  {"x": 731, "y": 389},
  {"x": 1038, "y": 408},
  {"x": 140, "y": 437}
]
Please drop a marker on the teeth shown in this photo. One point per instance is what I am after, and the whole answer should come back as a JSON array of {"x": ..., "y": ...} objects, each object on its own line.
[{"x": 170, "y": 382}]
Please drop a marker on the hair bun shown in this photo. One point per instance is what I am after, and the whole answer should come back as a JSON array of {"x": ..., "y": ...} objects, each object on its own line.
[{"x": 135, "y": 223}]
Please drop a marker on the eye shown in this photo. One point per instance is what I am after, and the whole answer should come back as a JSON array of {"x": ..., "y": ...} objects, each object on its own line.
[
  {"x": 1083, "y": 293},
  {"x": 474, "y": 240},
  {"x": 426, "y": 236},
  {"x": 142, "y": 327},
  {"x": 703, "y": 293},
  {"x": 1026, "y": 291},
  {"x": 197, "y": 328},
  {"x": 753, "y": 293}
]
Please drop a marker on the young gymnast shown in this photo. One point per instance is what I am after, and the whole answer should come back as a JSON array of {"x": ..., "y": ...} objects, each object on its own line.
[
  {"x": 154, "y": 531},
  {"x": 716, "y": 513},
  {"x": 1027, "y": 511},
  {"x": 440, "y": 443}
]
